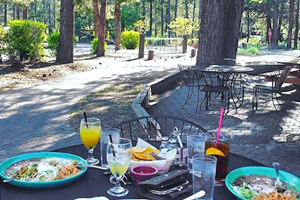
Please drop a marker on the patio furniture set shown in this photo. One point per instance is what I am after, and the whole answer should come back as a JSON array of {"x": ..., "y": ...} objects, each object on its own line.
[{"x": 228, "y": 82}]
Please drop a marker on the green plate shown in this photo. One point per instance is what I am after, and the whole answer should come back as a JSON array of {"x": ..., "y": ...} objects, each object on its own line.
[
  {"x": 263, "y": 171},
  {"x": 46, "y": 184}
]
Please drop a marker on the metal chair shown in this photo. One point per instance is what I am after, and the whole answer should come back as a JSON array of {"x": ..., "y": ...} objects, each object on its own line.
[
  {"x": 213, "y": 82},
  {"x": 274, "y": 89},
  {"x": 189, "y": 80},
  {"x": 153, "y": 128}
]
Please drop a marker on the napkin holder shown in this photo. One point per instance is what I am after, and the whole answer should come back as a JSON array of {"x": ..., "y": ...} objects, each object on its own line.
[{"x": 167, "y": 181}]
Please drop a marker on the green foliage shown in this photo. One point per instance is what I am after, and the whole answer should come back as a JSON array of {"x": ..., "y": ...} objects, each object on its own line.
[
  {"x": 95, "y": 45},
  {"x": 2, "y": 40},
  {"x": 22, "y": 3},
  {"x": 130, "y": 39},
  {"x": 254, "y": 41},
  {"x": 250, "y": 51},
  {"x": 53, "y": 41},
  {"x": 130, "y": 14},
  {"x": 183, "y": 26},
  {"x": 140, "y": 25},
  {"x": 25, "y": 39}
]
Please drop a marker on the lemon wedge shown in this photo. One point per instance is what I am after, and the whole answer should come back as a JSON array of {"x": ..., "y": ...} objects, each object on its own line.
[{"x": 214, "y": 151}]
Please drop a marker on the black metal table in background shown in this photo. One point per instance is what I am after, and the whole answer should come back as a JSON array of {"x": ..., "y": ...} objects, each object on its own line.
[
  {"x": 94, "y": 183},
  {"x": 222, "y": 79}
]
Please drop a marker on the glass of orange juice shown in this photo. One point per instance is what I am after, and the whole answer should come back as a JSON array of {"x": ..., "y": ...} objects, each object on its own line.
[{"x": 90, "y": 132}]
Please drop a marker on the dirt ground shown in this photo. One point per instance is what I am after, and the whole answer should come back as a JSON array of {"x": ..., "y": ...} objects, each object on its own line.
[{"x": 13, "y": 77}]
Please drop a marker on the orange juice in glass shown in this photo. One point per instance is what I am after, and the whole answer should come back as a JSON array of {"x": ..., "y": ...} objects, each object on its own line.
[{"x": 90, "y": 132}]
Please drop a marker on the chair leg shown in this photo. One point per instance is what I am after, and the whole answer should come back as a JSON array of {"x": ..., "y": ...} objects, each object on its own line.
[
  {"x": 207, "y": 94},
  {"x": 275, "y": 96},
  {"x": 190, "y": 91},
  {"x": 254, "y": 99}
]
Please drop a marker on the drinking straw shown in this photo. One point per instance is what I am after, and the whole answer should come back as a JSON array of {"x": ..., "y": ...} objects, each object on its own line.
[
  {"x": 85, "y": 119},
  {"x": 220, "y": 124},
  {"x": 112, "y": 146}
]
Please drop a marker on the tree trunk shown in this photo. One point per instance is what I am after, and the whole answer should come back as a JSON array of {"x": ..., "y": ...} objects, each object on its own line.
[
  {"x": 14, "y": 12},
  {"x": 248, "y": 26},
  {"x": 194, "y": 10},
  {"x": 102, "y": 25},
  {"x": 186, "y": 3},
  {"x": 162, "y": 17},
  {"x": 118, "y": 24},
  {"x": 96, "y": 15},
  {"x": 151, "y": 17},
  {"x": 54, "y": 14},
  {"x": 296, "y": 26},
  {"x": 219, "y": 32},
  {"x": 35, "y": 12},
  {"x": 45, "y": 14},
  {"x": 66, "y": 39},
  {"x": 25, "y": 13},
  {"x": 168, "y": 14},
  {"x": 5, "y": 14},
  {"x": 175, "y": 9},
  {"x": 18, "y": 13},
  {"x": 268, "y": 27},
  {"x": 275, "y": 33},
  {"x": 49, "y": 17},
  {"x": 291, "y": 21},
  {"x": 144, "y": 10},
  {"x": 200, "y": 9}
]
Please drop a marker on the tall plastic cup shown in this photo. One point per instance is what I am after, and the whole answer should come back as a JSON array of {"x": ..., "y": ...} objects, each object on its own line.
[{"x": 115, "y": 133}]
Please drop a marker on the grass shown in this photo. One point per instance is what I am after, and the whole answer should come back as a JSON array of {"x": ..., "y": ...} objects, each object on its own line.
[
  {"x": 112, "y": 105},
  {"x": 249, "y": 51}
]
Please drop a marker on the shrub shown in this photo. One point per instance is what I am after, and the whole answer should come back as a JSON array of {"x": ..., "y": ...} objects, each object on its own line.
[
  {"x": 249, "y": 51},
  {"x": 53, "y": 41},
  {"x": 95, "y": 45},
  {"x": 183, "y": 26},
  {"x": 25, "y": 39},
  {"x": 130, "y": 39},
  {"x": 2, "y": 41}
]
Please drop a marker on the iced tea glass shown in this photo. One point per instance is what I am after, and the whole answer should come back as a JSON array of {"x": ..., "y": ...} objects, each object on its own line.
[{"x": 220, "y": 150}]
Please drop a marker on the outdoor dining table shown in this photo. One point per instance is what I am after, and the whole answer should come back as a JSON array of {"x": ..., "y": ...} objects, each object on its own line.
[
  {"x": 95, "y": 183},
  {"x": 229, "y": 76}
]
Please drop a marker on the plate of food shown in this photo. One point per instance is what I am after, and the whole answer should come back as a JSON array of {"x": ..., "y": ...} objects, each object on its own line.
[
  {"x": 42, "y": 169},
  {"x": 146, "y": 154},
  {"x": 257, "y": 183}
]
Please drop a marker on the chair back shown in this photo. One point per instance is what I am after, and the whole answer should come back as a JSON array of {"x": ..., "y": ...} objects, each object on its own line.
[
  {"x": 152, "y": 128},
  {"x": 282, "y": 77},
  {"x": 189, "y": 76}
]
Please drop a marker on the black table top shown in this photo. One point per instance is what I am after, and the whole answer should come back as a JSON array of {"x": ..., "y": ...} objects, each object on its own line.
[
  {"x": 94, "y": 183},
  {"x": 224, "y": 69}
]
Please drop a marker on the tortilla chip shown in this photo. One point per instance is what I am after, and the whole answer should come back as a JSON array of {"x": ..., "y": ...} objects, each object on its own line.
[{"x": 143, "y": 153}]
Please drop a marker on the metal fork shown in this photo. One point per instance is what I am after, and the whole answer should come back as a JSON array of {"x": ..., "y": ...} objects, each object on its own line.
[{"x": 164, "y": 192}]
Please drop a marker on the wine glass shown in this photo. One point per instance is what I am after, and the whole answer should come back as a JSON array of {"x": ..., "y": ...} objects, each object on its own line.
[
  {"x": 118, "y": 158},
  {"x": 90, "y": 132}
]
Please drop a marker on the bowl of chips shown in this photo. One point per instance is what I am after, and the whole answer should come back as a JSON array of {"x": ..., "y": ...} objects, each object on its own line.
[{"x": 146, "y": 154}]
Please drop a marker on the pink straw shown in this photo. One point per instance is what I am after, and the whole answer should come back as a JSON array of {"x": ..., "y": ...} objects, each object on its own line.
[{"x": 220, "y": 125}]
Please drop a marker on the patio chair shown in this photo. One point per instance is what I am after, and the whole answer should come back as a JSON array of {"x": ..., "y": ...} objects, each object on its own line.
[
  {"x": 189, "y": 81},
  {"x": 213, "y": 83},
  {"x": 274, "y": 89},
  {"x": 153, "y": 128}
]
